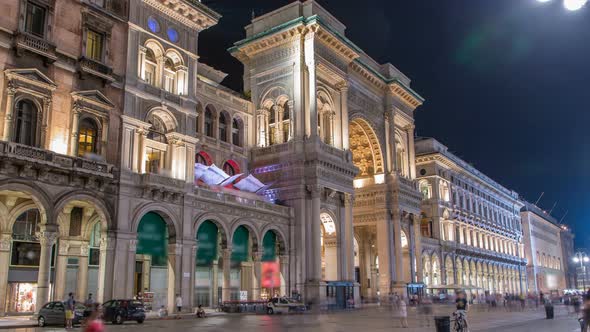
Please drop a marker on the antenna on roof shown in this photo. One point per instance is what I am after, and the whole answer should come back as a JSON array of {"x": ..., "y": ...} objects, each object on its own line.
[
  {"x": 554, "y": 205},
  {"x": 253, "y": 14},
  {"x": 543, "y": 193},
  {"x": 566, "y": 211}
]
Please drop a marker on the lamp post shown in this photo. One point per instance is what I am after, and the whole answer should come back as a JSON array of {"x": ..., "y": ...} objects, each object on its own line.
[{"x": 582, "y": 258}]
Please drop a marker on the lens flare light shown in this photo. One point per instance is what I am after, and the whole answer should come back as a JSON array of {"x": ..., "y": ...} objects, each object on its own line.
[{"x": 574, "y": 4}]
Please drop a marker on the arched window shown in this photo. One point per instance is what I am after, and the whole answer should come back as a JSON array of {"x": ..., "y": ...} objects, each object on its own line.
[
  {"x": 169, "y": 75},
  {"x": 87, "y": 137},
  {"x": 236, "y": 132},
  {"x": 223, "y": 127},
  {"x": 157, "y": 130},
  {"x": 229, "y": 169},
  {"x": 26, "y": 249},
  {"x": 26, "y": 122},
  {"x": 209, "y": 123},
  {"x": 150, "y": 67},
  {"x": 425, "y": 189}
]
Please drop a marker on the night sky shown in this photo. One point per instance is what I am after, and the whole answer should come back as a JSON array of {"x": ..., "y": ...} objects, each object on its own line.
[{"x": 506, "y": 83}]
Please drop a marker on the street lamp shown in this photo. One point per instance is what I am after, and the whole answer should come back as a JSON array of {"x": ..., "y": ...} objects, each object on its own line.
[{"x": 582, "y": 258}]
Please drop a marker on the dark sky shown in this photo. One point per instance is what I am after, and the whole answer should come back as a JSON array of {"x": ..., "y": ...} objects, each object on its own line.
[{"x": 506, "y": 83}]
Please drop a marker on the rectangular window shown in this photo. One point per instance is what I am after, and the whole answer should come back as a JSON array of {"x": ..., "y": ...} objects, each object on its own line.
[
  {"x": 94, "y": 41},
  {"x": 25, "y": 253},
  {"x": 150, "y": 73},
  {"x": 99, "y": 3},
  {"x": 35, "y": 20},
  {"x": 169, "y": 82}
]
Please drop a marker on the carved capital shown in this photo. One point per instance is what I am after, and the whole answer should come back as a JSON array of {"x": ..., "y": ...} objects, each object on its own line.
[
  {"x": 315, "y": 190},
  {"x": 5, "y": 240},
  {"x": 64, "y": 248},
  {"x": 132, "y": 245},
  {"x": 84, "y": 249},
  {"x": 48, "y": 238}
]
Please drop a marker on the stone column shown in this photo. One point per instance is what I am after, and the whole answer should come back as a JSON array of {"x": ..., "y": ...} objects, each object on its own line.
[
  {"x": 344, "y": 114},
  {"x": 174, "y": 260},
  {"x": 8, "y": 116},
  {"x": 290, "y": 103},
  {"x": 284, "y": 262},
  {"x": 47, "y": 237},
  {"x": 225, "y": 296},
  {"x": 104, "y": 138},
  {"x": 141, "y": 62},
  {"x": 411, "y": 152},
  {"x": 387, "y": 254},
  {"x": 279, "y": 117},
  {"x": 5, "y": 241},
  {"x": 388, "y": 155},
  {"x": 257, "y": 280},
  {"x": 214, "y": 284},
  {"x": 310, "y": 63},
  {"x": 106, "y": 269},
  {"x": 61, "y": 267},
  {"x": 330, "y": 127},
  {"x": 348, "y": 246},
  {"x": 75, "y": 128},
  {"x": 141, "y": 153},
  {"x": 397, "y": 240},
  {"x": 129, "y": 270},
  {"x": 82, "y": 288},
  {"x": 43, "y": 142},
  {"x": 418, "y": 249},
  {"x": 316, "y": 240}
]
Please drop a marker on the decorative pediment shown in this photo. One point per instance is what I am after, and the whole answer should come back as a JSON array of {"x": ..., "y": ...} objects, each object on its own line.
[
  {"x": 92, "y": 99},
  {"x": 30, "y": 76}
]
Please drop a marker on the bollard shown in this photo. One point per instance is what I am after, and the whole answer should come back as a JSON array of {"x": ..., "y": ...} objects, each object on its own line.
[{"x": 442, "y": 323}]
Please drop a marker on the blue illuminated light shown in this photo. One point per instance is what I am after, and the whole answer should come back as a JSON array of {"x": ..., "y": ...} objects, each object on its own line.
[
  {"x": 153, "y": 25},
  {"x": 172, "y": 35}
]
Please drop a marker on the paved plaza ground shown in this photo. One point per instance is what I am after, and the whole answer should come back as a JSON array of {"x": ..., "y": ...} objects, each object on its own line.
[{"x": 365, "y": 320}]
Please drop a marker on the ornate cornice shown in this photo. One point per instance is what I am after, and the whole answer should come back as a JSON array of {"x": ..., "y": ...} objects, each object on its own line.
[{"x": 188, "y": 12}]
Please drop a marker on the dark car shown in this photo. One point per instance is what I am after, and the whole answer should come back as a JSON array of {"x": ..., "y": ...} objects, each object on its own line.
[
  {"x": 119, "y": 311},
  {"x": 54, "y": 313}
]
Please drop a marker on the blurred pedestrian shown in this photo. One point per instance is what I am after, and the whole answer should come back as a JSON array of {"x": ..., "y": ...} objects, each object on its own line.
[
  {"x": 403, "y": 311},
  {"x": 70, "y": 306},
  {"x": 178, "y": 303},
  {"x": 94, "y": 323}
]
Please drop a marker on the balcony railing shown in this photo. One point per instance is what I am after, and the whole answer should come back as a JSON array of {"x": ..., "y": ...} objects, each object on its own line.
[
  {"x": 26, "y": 41},
  {"x": 96, "y": 68},
  {"x": 44, "y": 158}
]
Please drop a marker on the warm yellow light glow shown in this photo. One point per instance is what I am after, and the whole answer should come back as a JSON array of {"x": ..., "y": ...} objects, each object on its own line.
[{"x": 58, "y": 145}]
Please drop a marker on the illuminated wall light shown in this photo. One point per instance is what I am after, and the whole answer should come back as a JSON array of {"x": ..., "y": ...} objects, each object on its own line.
[
  {"x": 59, "y": 145},
  {"x": 379, "y": 178}
]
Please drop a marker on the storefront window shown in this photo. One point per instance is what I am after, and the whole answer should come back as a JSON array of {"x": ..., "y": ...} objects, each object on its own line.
[
  {"x": 26, "y": 249},
  {"x": 94, "y": 251},
  {"x": 21, "y": 297}
]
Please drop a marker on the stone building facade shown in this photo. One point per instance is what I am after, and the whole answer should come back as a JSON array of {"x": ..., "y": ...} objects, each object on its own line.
[
  {"x": 567, "y": 251},
  {"x": 472, "y": 237},
  {"x": 112, "y": 130},
  {"x": 334, "y": 132},
  {"x": 543, "y": 250}
]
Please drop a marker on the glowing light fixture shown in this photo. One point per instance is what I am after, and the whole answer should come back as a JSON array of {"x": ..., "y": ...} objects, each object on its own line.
[
  {"x": 576, "y": 260},
  {"x": 574, "y": 4},
  {"x": 586, "y": 259}
]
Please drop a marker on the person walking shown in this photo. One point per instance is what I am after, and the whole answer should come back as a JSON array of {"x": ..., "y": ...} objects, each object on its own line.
[
  {"x": 94, "y": 323},
  {"x": 586, "y": 314},
  {"x": 70, "y": 306},
  {"x": 178, "y": 303},
  {"x": 462, "y": 306},
  {"x": 403, "y": 312}
]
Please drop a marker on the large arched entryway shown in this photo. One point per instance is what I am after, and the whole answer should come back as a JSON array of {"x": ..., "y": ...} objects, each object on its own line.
[
  {"x": 330, "y": 250},
  {"x": 153, "y": 265},
  {"x": 208, "y": 279}
]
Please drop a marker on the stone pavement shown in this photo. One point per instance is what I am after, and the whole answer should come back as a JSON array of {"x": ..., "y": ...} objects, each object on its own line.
[{"x": 367, "y": 320}]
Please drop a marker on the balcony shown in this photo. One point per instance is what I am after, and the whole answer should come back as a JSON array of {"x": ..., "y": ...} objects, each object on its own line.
[
  {"x": 160, "y": 93},
  {"x": 96, "y": 68},
  {"x": 17, "y": 160},
  {"x": 26, "y": 42}
]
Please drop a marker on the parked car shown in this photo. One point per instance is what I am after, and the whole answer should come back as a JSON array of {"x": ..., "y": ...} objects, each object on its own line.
[
  {"x": 281, "y": 305},
  {"x": 54, "y": 313},
  {"x": 119, "y": 311}
]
